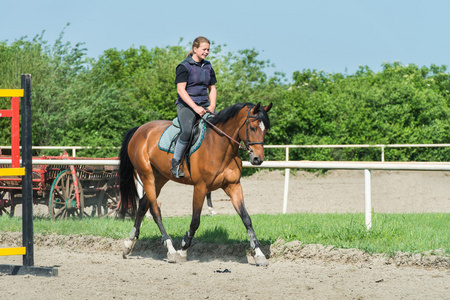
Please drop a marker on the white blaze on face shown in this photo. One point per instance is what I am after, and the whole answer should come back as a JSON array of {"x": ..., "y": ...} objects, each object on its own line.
[{"x": 261, "y": 125}]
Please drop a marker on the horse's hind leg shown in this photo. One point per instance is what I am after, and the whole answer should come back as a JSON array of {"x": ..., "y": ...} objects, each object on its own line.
[
  {"x": 152, "y": 186},
  {"x": 197, "y": 205},
  {"x": 210, "y": 205},
  {"x": 134, "y": 233}
]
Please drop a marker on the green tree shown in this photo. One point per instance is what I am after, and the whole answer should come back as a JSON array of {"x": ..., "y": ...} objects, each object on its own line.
[{"x": 82, "y": 101}]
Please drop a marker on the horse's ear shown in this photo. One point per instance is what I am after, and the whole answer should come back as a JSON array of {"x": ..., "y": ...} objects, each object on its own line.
[
  {"x": 268, "y": 107},
  {"x": 256, "y": 108}
]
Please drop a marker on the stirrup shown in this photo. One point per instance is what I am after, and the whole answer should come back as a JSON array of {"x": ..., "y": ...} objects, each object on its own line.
[{"x": 176, "y": 170}]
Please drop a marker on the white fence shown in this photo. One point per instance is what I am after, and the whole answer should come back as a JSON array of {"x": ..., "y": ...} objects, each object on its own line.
[
  {"x": 72, "y": 148},
  {"x": 286, "y": 147},
  {"x": 287, "y": 165},
  {"x": 381, "y": 146},
  {"x": 342, "y": 165},
  {"x": 366, "y": 166}
]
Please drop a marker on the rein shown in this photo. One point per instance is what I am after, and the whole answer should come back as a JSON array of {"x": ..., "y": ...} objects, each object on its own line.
[
  {"x": 244, "y": 146},
  {"x": 221, "y": 131}
]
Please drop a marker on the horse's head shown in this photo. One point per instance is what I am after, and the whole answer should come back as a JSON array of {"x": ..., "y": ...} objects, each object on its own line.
[{"x": 253, "y": 131}]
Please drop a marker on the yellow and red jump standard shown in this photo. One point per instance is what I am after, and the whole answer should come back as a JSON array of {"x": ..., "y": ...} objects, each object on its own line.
[{"x": 26, "y": 171}]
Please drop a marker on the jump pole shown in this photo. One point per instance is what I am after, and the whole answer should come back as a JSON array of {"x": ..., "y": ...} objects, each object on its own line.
[
  {"x": 27, "y": 180},
  {"x": 27, "y": 188}
]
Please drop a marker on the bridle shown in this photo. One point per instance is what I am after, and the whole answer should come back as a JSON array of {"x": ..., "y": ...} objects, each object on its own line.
[{"x": 247, "y": 143}]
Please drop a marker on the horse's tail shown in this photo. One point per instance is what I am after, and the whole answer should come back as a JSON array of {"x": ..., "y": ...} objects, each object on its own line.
[{"x": 128, "y": 191}]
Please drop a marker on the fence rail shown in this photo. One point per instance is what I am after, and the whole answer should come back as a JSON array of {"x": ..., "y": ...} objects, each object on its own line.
[
  {"x": 286, "y": 147},
  {"x": 287, "y": 165},
  {"x": 381, "y": 146}
]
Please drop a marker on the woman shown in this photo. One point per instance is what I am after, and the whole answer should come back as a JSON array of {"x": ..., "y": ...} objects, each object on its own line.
[{"x": 195, "y": 80}]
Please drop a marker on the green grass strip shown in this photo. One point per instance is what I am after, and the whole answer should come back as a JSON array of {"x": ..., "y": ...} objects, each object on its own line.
[{"x": 412, "y": 233}]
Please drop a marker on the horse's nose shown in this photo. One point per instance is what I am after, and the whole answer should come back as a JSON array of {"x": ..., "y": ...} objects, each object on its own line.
[{"x": 256, "y": 161}]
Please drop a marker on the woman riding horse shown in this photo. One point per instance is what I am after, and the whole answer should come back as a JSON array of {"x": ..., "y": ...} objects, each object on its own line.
[
  {"x": 194, "y": 78},
  {"x": 215, "y": 164}
]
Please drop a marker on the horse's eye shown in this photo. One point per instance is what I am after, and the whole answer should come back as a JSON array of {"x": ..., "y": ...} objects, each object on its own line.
[{"x": 253, "y": 129}]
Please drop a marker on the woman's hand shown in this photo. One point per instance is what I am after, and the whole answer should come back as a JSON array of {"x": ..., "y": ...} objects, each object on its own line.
[
  {"x": 211, "y": 109},
  {"x": 200, "y": 110}
]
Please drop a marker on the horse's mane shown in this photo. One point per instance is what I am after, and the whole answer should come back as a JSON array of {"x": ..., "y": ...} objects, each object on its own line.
[{"x": 229, "y": 112}]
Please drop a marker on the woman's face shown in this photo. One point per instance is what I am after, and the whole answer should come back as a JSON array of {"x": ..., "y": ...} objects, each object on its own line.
[{"x": 201, "y": 52}]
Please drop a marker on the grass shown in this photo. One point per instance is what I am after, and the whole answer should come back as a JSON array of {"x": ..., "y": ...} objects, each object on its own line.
[{"x": 412, "y": 233}]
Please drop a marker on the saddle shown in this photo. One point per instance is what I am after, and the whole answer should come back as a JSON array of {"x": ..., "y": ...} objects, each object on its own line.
[{"x": 171, "y": 134}]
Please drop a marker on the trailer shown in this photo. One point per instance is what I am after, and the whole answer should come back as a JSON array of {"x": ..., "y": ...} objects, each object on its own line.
[{"x": 67, "y": 190}]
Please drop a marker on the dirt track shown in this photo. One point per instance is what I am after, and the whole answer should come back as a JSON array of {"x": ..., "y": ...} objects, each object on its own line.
[{"x": 92, "y": 268}]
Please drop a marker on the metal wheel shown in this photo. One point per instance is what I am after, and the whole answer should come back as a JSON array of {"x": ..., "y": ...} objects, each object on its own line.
[
  {"x": 105, "y": 201},
  {"x": 112, "y": 200},
  {"x": 113, "y": 204},
  {"x": 63, "y": 197},
  {"x": 97, "y": 203},
  {"x": 7, "y": 202}
]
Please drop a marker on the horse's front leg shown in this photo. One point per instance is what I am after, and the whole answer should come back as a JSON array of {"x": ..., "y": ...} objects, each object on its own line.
[
  {"x": 197, "y": 205},
  {"x": 234, "y": 191}
]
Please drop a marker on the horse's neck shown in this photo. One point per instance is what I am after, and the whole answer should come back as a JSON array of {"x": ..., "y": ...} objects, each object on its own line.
[{"x": 230, "y": 148}]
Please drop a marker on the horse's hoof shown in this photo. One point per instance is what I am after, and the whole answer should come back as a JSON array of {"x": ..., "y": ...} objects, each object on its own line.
[
  {"x": 181, "y": 256},
  {"x": 127, "y": 247},
  {"x": 172, "y": 257},
  {"x": 261, "y": 261}
]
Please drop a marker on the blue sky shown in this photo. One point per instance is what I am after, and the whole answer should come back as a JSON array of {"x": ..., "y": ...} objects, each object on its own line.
[{"x": 334, "y": 36}]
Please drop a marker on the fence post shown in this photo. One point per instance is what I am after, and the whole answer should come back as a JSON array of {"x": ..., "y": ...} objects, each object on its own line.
[
  {"x": 368, "y": 198},
  {"x": 286, "y": 183}
]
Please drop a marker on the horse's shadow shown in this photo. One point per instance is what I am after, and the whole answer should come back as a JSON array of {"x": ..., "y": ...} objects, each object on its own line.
[{"x": 207, "y": 246}]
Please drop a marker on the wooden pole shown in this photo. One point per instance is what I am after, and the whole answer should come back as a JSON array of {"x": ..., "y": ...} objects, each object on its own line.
[{"x": 27, "y": 181}]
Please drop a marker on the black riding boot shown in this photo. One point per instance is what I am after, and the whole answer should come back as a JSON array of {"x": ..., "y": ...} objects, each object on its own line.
[{"x": 176, "y": 170}]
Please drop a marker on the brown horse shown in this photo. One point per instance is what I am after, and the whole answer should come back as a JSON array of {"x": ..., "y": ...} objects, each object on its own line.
[{"x": 216, "y": 164}]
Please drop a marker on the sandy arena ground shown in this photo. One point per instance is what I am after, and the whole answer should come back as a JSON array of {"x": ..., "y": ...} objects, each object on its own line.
[{"x": 93, "y": 268}]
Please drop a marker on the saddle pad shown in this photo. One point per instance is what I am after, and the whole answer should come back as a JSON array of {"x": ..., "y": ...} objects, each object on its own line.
[{"x": 166, "y": 141}]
